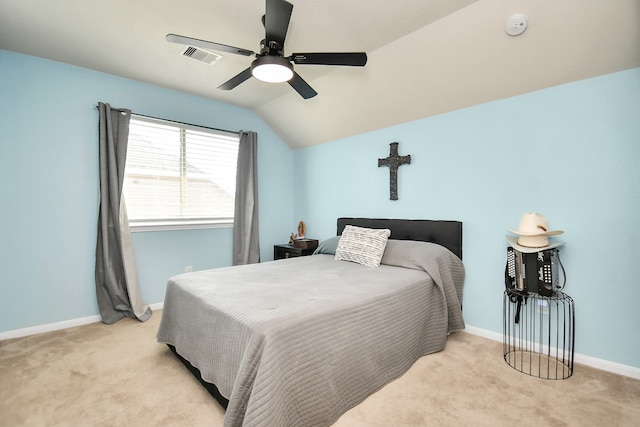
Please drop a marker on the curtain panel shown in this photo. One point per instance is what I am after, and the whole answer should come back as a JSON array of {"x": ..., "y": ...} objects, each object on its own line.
[
  {"x": 117, "y": 286},
  {"x": 246, "y": 247}
]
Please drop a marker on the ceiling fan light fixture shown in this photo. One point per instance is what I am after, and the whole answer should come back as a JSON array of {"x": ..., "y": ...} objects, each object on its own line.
[{"x": 272, "y": 69}]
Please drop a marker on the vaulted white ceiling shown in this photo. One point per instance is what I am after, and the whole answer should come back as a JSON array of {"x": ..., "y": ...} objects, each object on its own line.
[{"x": 426, "y": 57}]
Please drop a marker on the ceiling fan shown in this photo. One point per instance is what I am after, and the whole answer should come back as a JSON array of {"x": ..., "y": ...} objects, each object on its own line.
[{"x": 270, "y": 64}]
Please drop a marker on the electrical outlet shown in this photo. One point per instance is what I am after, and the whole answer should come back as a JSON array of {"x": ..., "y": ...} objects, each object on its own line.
[
  {"x": 543, "y": 305},
  {"x": 188, "y": 269}
]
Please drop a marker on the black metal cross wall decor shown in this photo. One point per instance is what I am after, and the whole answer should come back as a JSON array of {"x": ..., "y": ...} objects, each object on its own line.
[{"x": 394, "y": 162}]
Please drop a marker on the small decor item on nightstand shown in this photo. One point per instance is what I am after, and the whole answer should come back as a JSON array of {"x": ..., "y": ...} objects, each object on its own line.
[
  {"x": 302, "y": 230},
  {"x": 305, "y": 243},
  {"x": 299, "y": 241}
]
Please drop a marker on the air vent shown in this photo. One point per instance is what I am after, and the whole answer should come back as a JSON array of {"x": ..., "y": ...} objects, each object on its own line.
[{"x": 200, "y": 55}]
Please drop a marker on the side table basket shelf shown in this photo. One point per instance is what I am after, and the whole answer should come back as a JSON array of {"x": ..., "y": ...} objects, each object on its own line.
[{"x": 539, "y": 333}]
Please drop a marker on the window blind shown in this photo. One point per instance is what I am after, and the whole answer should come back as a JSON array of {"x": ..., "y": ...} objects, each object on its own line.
[{"x": 179, "y": 175}]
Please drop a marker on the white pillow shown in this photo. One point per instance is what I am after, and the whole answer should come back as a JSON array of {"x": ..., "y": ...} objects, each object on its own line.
[{"x": 362, "y": 245}]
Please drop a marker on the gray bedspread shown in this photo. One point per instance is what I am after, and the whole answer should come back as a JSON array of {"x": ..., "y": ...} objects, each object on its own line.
[{"x": 298, "y": 342}]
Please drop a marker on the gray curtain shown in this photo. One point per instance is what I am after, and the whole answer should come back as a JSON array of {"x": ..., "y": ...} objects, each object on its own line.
[
  {"x": 246, "y": 248},
  {"x": 116, "y": 276}
]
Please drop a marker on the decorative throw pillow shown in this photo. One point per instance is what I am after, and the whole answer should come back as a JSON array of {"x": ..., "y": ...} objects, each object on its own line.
[{"x": 362, "y": 245}]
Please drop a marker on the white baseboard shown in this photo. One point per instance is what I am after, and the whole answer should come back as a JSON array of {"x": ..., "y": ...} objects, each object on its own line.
[
  {"x": 49, "y": 327},
  {"x": 604, "y": 365},
  {"x": 495, "y": 336}
]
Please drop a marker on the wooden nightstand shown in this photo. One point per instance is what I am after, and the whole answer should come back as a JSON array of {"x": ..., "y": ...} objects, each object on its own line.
[{"x": 289, "y": 251}]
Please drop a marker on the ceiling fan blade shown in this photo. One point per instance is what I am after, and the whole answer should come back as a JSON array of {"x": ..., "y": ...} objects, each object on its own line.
[
  {"x": 276, "y": 22},
  {"x": 355, "y": 59},
  {"x": 301, "y": 86},
  {"x": 175, "y": 38},
  {"x": 235, "y": 81}
]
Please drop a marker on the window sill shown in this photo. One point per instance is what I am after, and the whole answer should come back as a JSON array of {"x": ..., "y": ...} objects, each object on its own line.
[{"x": 168, "y": 225}]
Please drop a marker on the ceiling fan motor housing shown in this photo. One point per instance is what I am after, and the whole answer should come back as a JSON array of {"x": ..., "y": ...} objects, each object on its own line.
[
  {"x": 271, "y": 48},
  {"x": 272, "y": 69}
]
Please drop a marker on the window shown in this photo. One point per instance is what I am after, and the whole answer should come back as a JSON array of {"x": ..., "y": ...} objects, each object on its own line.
[{"x": 179, "y": 175}]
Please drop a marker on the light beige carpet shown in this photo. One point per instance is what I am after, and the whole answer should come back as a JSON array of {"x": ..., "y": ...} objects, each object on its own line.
[{"x": 99, "y": 375}]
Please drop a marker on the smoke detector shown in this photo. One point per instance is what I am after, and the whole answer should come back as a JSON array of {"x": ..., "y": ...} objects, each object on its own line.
[
  {"x": 200, "y": 55},
  {"x": 516, "y": 24}
]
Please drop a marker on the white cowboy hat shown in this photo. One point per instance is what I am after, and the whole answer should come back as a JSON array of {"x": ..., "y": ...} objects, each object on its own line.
[{"x": 533, "y": 231}]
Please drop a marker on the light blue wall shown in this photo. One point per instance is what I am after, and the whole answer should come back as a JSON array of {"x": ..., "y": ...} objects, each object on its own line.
[
  {"x": 571, "y": 152},
  {"x": 49, "y": 189}
]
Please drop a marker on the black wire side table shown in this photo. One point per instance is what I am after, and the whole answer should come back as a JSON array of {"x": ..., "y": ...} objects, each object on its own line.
[{"x": 539, "y": 333}]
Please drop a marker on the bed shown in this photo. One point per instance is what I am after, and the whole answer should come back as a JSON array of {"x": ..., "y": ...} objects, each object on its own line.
[{"x": 298, "y": 342}]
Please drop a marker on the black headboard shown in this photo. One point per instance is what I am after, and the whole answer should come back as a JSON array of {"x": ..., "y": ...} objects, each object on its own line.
[{"x": 444, "y": 233}]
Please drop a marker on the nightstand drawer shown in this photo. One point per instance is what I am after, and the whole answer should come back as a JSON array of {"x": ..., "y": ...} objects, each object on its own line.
[{"x": 289, "y": 251}]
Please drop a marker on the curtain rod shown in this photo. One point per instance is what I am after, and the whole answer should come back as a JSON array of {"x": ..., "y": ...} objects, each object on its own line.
[{"x": 182, "y": 123}]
